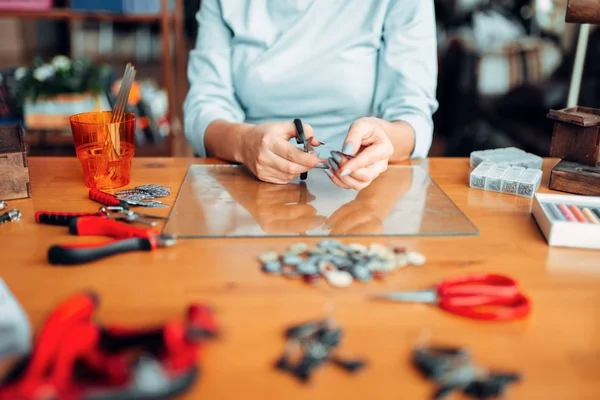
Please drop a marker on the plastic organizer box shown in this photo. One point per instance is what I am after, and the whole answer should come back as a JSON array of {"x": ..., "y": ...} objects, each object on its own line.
[
  {"x": 507, "y": 156},
  {"x": 503, "y": 178}
]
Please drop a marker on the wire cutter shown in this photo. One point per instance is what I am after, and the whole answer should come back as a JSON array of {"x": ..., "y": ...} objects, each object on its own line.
[
  {"x": 301, "y": 139},
  {"x": 116, "y": 213},
  {"x": 126, "y": 239},
  {"x": 121, "y": 207},
  {"x": 477, "y": 296}
]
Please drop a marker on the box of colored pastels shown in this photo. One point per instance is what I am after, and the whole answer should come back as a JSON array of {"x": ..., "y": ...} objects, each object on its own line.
[{"x": 568, "y": 220}]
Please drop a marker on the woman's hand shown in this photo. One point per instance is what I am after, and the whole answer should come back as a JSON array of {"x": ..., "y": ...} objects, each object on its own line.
[
  {"x": 270, "y": 156},
  {"x": 367, "y": 140}
]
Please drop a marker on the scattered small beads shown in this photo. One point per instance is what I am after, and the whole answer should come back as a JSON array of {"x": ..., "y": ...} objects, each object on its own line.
[{"x": 340, "y": 265}]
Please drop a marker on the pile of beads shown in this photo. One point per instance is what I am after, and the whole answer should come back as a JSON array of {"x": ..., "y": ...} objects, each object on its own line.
[{"x": 337, "y": 263}]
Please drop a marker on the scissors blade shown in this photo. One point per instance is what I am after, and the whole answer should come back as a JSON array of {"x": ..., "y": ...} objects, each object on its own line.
[{"x": 419, "y": 296}]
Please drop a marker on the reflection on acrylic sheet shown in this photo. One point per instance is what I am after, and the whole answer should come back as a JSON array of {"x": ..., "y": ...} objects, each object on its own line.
[{"x": 227, "y": 201}]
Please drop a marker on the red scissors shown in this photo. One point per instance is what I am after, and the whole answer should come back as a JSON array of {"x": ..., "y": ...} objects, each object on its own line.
[{"x": 477, "y": 296}]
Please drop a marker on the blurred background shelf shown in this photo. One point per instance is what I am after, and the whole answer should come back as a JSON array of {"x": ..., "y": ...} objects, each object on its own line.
[
  {"x": 156, "y": 43},
  {"x": 67, "y": 13}
]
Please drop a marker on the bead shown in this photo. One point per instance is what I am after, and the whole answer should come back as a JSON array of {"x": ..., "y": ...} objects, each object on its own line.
[
  {"x": 415, "y": 258},
  {"x": 272, "y": 267},
  {"x": 375, "y": 265},
  {"x": 292, "y": 259},
  {"x": 341, "y": 262},
  {"x": 399, "y": 250},
  {"x": 329, "y": 244},
  {"x": 388, "y": 264},
  {"x": 357, "y": 248},
  {"x": 290, "y": 272},
  {"x": 379, "y": 275},
  {"x": 326, "y": 267},
  {"x": 269, "y": 256},
  {"x": 315, "y": 250},
  {"x": 378, "y": 250},
  {"x": 401, "y": 260},
  {"x": 339, "y": 253},
  {"x": 298, "y": 248},
  {"x": 362, "y": 273},
  {"x": 312, "y": 279},
  {"x": 307, "y": 268},
  {"x": 339, "y": 278}
]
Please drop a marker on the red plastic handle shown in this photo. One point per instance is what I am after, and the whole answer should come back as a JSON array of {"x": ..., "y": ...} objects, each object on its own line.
[
  {"x": 100, "y": 226},
  {"x": 485, "y": 285},
  {"x": 75, "y": 310},
  {"x": 492, "y": 309},
  {"x": 61, "y": 218},
  {"x": 107, "y": 199}
]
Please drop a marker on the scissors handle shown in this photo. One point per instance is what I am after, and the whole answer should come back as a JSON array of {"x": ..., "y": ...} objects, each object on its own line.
[
  {"x": 487, "y": 308},
  {"x": 483, "y": 285}
]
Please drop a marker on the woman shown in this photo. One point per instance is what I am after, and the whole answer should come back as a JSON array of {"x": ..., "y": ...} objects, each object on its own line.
[{"x": 360, "y": 74}]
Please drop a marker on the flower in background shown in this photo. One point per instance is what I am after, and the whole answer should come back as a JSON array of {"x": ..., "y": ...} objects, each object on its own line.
[
  {"x": 20, "y": 73},
  {"x": 61, "y": 63},
  {"x": 44, "y": 72}
]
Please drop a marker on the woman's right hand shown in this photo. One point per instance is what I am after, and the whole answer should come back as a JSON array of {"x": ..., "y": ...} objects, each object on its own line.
[{"x": 270, "y": 156}]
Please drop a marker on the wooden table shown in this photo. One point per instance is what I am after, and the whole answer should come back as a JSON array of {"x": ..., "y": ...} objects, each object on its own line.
[{"x": 557, "y": 348}]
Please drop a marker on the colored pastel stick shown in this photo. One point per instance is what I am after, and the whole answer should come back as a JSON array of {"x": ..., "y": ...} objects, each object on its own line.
[
  {"x": 578, "y": 214},
  {"x": 557, "y": 212},
  {"x": 554, "y": 211},
  {"x": 567, "y": 213},
  {"x": 590, "y": 216},
  {"x": 597, "y": 212}
]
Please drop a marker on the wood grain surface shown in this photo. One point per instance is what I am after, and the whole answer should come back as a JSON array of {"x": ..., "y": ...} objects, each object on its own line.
[
  {"x": 557, "y": 348},
  {"x": 583, "y": 11}
]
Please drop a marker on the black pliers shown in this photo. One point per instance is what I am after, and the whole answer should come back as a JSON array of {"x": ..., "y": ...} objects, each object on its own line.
[{"x": 301, "y": 139}]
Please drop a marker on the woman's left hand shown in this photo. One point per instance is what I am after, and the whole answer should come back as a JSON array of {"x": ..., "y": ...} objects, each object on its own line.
[{"x": 368, "y": 141}]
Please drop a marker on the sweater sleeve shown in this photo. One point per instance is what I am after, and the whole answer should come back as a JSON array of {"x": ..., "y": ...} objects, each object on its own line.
[
  {"x": 407, "y": 70},
  {"x": 211, "y": 95}
]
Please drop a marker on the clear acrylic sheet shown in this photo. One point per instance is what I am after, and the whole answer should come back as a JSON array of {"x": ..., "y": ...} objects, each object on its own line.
[{"x": 228, "y": 201}]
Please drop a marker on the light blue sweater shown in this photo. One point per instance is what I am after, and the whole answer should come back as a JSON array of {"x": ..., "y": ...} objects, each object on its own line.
[{"x": 327, "y": 62}]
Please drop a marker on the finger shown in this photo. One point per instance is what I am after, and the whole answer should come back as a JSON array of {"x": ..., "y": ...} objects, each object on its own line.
[
  {"x": 352, "y": 183},
  {"x": 361, "y": 133},
  {"x": 335, "y": 179},
  {"x": 369, "y": 156},
  {"x": 288, "y": 129},
  {"x": 370, "y": 173},
  {"x": 302, "y": 161}
]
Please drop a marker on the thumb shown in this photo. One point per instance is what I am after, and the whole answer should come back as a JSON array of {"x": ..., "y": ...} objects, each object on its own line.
[{"x": 355, "y": 137}]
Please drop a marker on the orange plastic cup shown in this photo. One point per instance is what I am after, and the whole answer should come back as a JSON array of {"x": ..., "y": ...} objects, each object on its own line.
[{"x": 104, "y": 149}]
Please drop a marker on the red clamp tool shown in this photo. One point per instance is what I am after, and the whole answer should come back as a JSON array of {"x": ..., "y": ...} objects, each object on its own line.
[
  {"x": 113, "y": 208},
  {"x": 128, "y": 238},
  {"x": 119, "y": 209},
  {"x": 76, "y": 358}
]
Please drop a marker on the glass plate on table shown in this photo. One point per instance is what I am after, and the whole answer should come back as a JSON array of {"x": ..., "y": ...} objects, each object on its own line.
[{"x": 217, "y": 201}]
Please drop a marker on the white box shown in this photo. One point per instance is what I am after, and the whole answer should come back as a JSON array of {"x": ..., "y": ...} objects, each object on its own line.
[{"x": 566, "y": 233}]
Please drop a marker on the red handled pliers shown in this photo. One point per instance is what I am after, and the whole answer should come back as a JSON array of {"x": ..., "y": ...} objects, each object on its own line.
[
  {"x": 72, "y": 342},
  {"x": 127, "y": 238}
]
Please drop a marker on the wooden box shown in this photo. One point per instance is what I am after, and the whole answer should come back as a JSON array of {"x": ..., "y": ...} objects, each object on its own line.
[
  {"x": 14, "y": 169},
  {"x": 576, "y": 135},
  {"x": 571, "y": 177}
]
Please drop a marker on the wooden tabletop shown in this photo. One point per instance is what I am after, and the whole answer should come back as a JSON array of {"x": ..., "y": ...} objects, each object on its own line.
[{"x": 557, "y": 348}]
